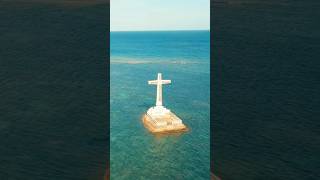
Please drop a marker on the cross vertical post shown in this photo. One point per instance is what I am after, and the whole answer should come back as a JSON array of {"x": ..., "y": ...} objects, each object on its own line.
[{"x": 159, "y": 82}]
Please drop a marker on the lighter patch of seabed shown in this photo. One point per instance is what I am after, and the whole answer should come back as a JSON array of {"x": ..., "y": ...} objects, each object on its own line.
[{"x": 132, "y": 61}]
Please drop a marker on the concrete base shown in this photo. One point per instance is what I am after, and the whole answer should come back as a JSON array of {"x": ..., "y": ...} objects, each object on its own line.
[{"x": 161, "y": 120}]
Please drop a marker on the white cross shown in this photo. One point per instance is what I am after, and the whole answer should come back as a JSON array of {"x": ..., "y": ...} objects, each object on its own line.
[{"x": 159, "y": 83}]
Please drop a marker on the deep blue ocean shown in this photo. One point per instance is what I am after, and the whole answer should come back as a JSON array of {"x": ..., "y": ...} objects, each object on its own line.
[{"x": 184, "y": 58}]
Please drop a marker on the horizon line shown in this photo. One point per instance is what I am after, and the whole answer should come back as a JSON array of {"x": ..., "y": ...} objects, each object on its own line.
[{"x": 150, "y": 30}]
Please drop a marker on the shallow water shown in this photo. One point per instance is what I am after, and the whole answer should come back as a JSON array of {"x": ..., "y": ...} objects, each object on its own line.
[{"x": 137, "y": 57}]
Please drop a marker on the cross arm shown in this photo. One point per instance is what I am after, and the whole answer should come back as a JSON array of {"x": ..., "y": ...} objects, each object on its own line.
[
  {"x": 165, "y": 81},
  {"x": 153, "y": 82}
]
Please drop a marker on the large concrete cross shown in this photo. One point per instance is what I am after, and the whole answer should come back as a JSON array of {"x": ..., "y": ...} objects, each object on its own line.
[{"x": 159, "y": 83}]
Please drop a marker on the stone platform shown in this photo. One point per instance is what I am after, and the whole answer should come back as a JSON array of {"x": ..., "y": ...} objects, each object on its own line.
[{"x": 158, "y": 119}]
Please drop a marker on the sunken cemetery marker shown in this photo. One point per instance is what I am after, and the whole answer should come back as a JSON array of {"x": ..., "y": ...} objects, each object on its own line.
[{"x": 159, "y": 119}]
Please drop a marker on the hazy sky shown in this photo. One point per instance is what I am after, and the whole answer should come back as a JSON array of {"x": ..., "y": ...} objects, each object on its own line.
[{"x": 139, "y": 15}]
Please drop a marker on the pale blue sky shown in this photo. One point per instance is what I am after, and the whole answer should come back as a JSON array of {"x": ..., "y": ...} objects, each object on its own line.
[{"x": 142, "y": 15}]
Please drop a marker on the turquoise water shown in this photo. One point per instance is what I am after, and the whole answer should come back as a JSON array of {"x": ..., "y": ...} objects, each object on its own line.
[{"x": 136, "y": 57}]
